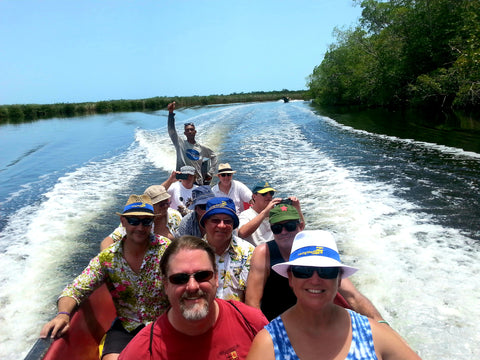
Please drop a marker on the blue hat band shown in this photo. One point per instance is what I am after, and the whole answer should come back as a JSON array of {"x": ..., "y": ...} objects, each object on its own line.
[
  {"x": 138, "y": 206},
  {"x": 314, "y": 251}
]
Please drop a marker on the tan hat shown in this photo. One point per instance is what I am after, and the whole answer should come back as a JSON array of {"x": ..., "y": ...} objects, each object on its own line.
[
  {"x": 138, "y": 205},
  {"x": 225, "y": 169},
  {"x": 157, "y": 193}
]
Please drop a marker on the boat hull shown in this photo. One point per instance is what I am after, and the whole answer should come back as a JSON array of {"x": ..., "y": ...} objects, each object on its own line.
[{"x": 87, "y": 328}]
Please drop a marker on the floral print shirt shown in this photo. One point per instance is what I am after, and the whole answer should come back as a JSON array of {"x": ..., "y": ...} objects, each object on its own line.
[
  {"x": 233, "y": 267},
  {"x": 138, "y": 298},
  {"x": 174, "y": 219}
]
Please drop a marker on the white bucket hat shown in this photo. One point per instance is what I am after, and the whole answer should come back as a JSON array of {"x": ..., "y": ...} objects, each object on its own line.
[{"x": 314, "y": 248}]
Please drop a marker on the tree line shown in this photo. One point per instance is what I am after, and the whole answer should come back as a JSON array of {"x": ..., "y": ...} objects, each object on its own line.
[
  {"x": 420, "y": 53},
  {"x": 32, "y": 112}
]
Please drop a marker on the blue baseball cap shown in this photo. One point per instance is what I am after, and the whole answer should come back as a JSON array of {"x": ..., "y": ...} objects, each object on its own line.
[
  {"x": 220, "y": 205},
  {"x": 201, "y": 195}
]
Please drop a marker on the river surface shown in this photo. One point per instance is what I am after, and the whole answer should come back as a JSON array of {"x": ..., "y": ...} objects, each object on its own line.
[{"x": 405, "y": 210}]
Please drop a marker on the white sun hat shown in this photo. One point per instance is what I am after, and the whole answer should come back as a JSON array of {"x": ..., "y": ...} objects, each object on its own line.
[{"x": 314, "y": 248}]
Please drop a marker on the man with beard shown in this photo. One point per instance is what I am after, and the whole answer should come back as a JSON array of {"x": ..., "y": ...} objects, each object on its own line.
[{"x": 198, "y": 325}]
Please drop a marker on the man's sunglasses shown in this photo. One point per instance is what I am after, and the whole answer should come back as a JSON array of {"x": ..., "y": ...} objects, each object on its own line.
[
  {"x": 183, "y": 278},
  {"x": 289, "y": 226},
  {"x": 223, "y": 175},
  {"x": 134, "y": 221},
  {"x": 189, "y": 124},
  {"x": 226, "y": 222},
  {"x": 268, "y": 192},
  {"x": 306, "y": 272}
]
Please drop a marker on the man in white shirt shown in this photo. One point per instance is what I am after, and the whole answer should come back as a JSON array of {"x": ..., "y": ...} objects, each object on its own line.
[
  {"x": 254, "y": 222},
  {"x": 181, "y": 190},
  {"x": 234, "y": 189}
]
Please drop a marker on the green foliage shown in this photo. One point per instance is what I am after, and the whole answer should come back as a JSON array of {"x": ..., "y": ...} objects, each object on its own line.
[
  {"x": 419, "y": 52},
  {"x": 22, "y": 113}
]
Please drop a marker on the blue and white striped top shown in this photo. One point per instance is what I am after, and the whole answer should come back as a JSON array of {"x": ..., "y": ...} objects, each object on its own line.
[{"x": 361, "y": 348}]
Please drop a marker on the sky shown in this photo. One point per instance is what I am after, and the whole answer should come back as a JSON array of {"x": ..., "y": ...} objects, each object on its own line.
[{"x": 70, "y": 51}]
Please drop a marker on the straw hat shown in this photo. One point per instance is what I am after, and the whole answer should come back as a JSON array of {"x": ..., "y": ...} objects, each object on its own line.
[
  {"x": 314, "y": 248},
  {"x": 138, "y": 205},
  {"x": 225, "y": 169}
]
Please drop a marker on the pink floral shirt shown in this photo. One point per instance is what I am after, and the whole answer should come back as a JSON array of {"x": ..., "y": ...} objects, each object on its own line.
[{"x": 138, "y": 298}]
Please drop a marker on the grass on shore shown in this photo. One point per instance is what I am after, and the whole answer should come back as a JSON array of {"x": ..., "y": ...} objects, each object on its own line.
[{"x": 14, "y": 114}]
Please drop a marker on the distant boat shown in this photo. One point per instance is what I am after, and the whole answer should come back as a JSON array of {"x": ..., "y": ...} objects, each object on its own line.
[{"x": 285, "y": 99}]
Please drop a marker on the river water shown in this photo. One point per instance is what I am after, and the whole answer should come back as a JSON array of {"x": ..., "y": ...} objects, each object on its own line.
[{"x": 404, "y": 210}]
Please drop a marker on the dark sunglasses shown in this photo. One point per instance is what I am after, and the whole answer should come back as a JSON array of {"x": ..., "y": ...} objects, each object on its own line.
[
  {"x": 268, "y": 192},
  {"x": 227, "y": 222},
  {"x": 134, "y": 221},
  {"x": 289, "y": 226},
  {"x": 223, "y": 175},
  {"x": 183, "y": 278},
  {"x": 306, "y": 272},
  {"x": 190, "y": 124}
]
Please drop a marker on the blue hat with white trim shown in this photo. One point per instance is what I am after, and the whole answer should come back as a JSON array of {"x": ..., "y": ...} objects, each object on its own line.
[
  {"x": 315, "y": 248},
  {"x": 220, "y": 205}
]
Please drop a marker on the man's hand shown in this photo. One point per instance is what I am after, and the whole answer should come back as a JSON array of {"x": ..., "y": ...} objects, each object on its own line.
[
  {"x": 171, "y": 107},
  {"x": 58, "y": 326}
]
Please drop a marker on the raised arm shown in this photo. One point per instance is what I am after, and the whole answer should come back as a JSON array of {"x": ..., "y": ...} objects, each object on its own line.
[
  {"x": 171, "y": 179},
  {"x": 171, "y": 123},
  {"x": 250, "y": 227},
  {"x": 257, "y": 277},
  {"x": 296, "y": 205}
]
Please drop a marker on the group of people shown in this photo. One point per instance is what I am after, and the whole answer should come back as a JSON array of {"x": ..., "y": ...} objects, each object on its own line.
[{"x": 225, "y": 273}]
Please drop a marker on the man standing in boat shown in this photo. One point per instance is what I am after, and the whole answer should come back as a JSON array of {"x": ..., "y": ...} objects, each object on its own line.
[
  {"x": 197, "y": 325},
  {"x": 190, "y": 152},
  {"x": 271, "y": 292},
  {"x": 130, "y": 269}
]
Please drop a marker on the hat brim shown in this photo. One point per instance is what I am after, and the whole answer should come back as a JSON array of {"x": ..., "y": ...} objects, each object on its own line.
[
  {"x": 225, "y": 211},
  {"x": 282, "y": 268},
  {"x": 159, "y": 198},
  {"x": 265, "y": 190},
  {"x": 226, "y": 172},
  {"x": 138, "y": 213},
  {"x": 202, "y": 201}
]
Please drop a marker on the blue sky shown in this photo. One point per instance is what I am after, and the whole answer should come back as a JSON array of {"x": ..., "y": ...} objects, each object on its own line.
[{"x": 54, "y": 51}]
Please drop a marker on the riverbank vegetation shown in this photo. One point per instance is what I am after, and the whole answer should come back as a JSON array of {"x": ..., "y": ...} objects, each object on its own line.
[
  {"x": 31, "y": 112},
  {"x": 404, "y": 53}
]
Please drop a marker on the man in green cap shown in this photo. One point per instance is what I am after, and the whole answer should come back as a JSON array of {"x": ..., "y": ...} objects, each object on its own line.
[
  {"x": 270, "y": 292},
  {"x": 254, "y": 225}
]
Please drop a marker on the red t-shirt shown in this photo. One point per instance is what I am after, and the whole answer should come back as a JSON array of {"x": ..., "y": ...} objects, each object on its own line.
[{"x": 230, "y": 338}]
